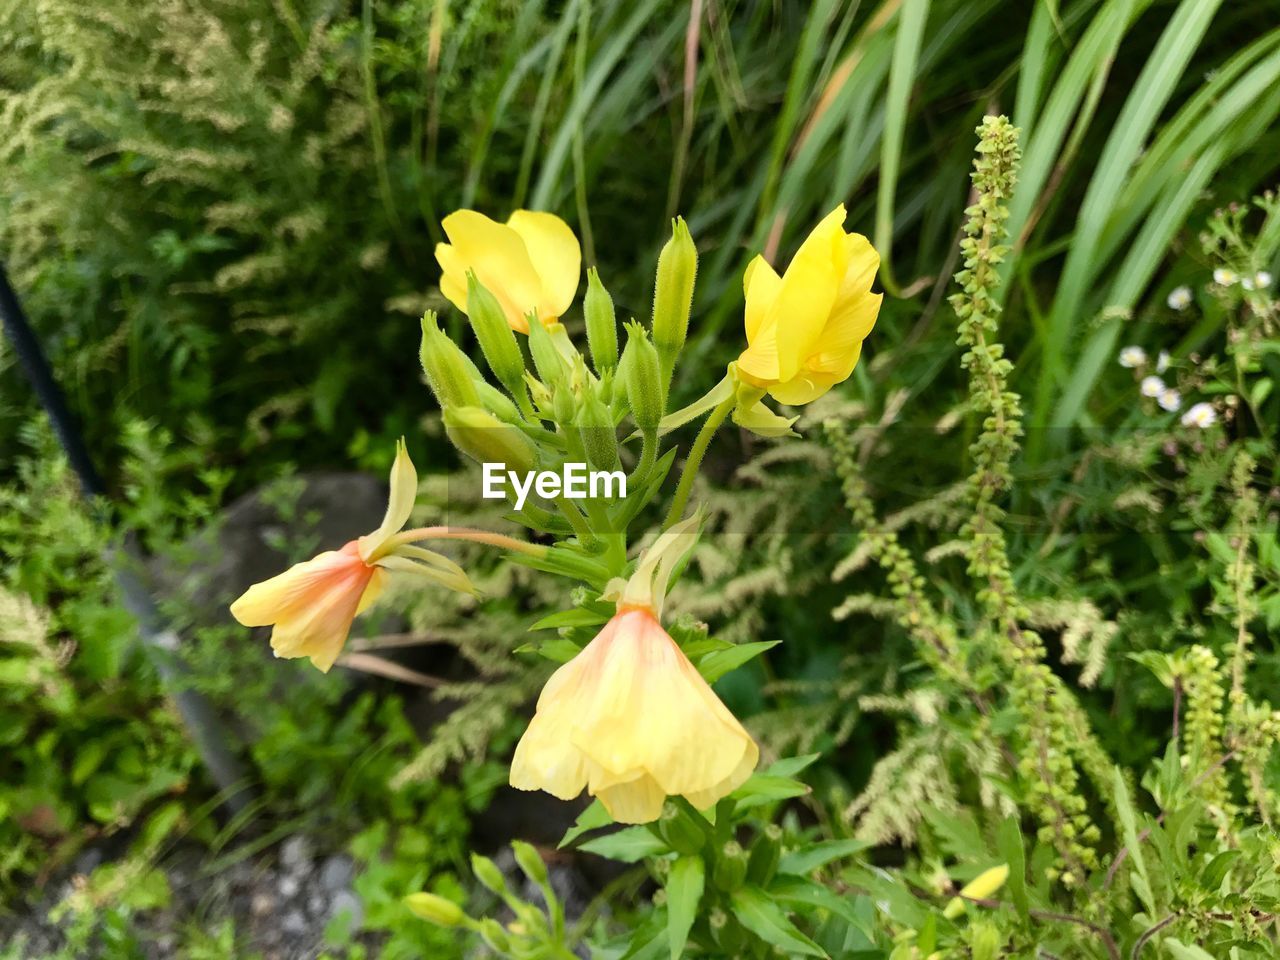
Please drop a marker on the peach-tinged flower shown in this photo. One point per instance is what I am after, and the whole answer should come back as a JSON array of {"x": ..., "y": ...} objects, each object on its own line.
[
  {"x": 805, "y": 329},
  {"x": 311, "y": 605},
  {"x": 531, "y": 264},
  {"x": 632, "y": 721}
]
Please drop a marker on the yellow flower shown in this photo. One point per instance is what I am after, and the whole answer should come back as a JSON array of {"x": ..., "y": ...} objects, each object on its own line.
[
  {"x": 632, "y": 720},
  {"x": 311, "y": 605},
  {"x": 805, "y": 329},
  {"x": 531, "y": 264}
]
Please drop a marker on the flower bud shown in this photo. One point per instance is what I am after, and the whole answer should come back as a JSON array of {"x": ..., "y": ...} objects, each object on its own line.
[
  {"x": 731, "y": 867},
  {"x": 488, "y": 874},
  {"x": 642, "y": 376},
  {"x": 435, "y": 909},
  {"x": 546, "y": 358},
  {"x": 486, "y": 439},
  {"x": 450, "y": 373},
  {"x": 602, "y": 325},
  {"x": 680, "y": 830},
  {"x": 564, "y": 406},
  {"x": 599, "y": 436},
  {"x": 497, "y": 339},
  {"x": 765, "y": 854},
  {"x": 497, "y": 403},
  {"x": 492, "y": 933},
  {"x": 979, "y": 888},
  {"x": 530, "y": 862},
  {"x": 673, "y": 294}
]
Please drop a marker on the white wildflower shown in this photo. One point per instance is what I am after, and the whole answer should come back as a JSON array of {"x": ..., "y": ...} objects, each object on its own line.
[
  {"x": 1131, "y": 357},
  {"x": 1170, "y": 400},
  {"x": 1152, "y": 386},
  {"x": 1162, "y": 361},
  {"x": 1224, "y": 277},
  {"x": 1201, "y": 415},
  {"x": 1262, "y": 279},
  {"x": 1179, "y": 298}
]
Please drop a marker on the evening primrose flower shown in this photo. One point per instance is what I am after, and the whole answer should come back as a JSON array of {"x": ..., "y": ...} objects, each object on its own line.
[
  {"x": 630, "y": 718},
  {"x": 1179, "y": 298},
  {"x": 531, "y": 264},
  {"x": 1170, "y": 400},
  {"x": 805, "y": 329},
  {"x": 1201, "y": 415},
  {"x": 311, "y": 605},
  {"x": 1152, "y": 387},
  {"x": 1132, "y": 356}
]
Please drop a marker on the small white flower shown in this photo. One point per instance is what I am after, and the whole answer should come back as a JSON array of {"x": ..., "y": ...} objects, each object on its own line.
[
  {"x": 1152, "y": 386},
  {"x": 1246, "y": 282},
  {"x": 1224, "y": 277},
  {"x": 1131, "y": 357},
  {"x": 1201, "y": 415},
  {"x": 1262, "y": 279},
  {"x": 1179, "y": 298},
  {"x": 1162, "y": 361},
  {"x": 1170, "y": 400}
]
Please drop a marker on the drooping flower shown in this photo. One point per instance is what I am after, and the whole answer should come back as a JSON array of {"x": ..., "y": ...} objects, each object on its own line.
[
  {"x": 1170, "y": 400},
  {"x": 1152, "y": 387},
  {"x": 1225, "y": 277},
  {"x": 1179, "y": 298},
  {"x": 311, "y": 605},
  {"x": 805, "y": 329},
  {"x": 531, "y": 264},
  {"x": 1200, "y": 415},
  {"x": 629, "y": 718},
  {"x": 1132, "y": 356}
]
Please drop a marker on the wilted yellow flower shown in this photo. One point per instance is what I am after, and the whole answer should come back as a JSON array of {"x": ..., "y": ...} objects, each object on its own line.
[
  {"x": 632, "y": 720},
  {"x": 805, "y": 329},
  {"x": 312, "y": 604},
  {"x": 531, "y": 264}
]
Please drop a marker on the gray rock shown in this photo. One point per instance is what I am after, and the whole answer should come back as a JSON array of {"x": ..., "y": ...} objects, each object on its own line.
[
  {"x": 288, "y": 886},
  {"x": 294, "y": 923},
  {"x": 295, "y": 854},
  {"x": 318, "y": 905},
  {"x": 347, "y": 902},
  {"x": 337, "y": 873}
]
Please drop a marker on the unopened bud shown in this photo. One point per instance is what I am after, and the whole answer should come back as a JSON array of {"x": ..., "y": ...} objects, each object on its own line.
[
  {"x": 680, "y": 830},
  {"x": 731, "y": 867},
  {"x": 765, "y": 854},
  {"x": 450, "y": 372},
  {"x": 642, "y": 376},
  {"x": 602, "y": 325},
  {"x": 436, "y": 909},
  {"x": 599, "y": 436},
  {"x": 530, "y": 862},
  {"x": 486, "y": 439},
  {"x": 497, "y": 403},
  {"x": 979, "y": 888},
  {"x": 492, "y": 933},
  {"x": 497, "y": 339},
  {"x": 673, "y": 294},
  {"x": 546, "y": 358},
  {"x": 564, "y": 406},
  {"x": 488, "y": 874}
]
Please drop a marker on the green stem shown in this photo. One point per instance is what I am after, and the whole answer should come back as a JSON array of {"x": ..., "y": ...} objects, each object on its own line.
[
  {"x": 487, "y": 537},
  {"x": 577, "y": 521},
  {"x": 694, "y": 460}
]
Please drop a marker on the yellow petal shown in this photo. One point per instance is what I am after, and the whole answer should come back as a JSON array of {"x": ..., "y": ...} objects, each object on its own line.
[
  {"x": 499, "y": 258},
  {"x": 404, "y": 493},
  {"x": 760, "y": 286},
  {"x": 286, "y": 593},
  {"x": 840, "y": 345},
  {"x": 805, "y": 387},
  {"x": 639, "y": 801},
  {"x": 453, "y": 276},
  {"x": 808, "y": 292},
  {"x": 556, "y": 258}
]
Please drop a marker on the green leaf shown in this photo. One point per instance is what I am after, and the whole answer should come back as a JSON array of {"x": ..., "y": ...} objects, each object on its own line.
[
  {"x": 1140, "y": 881},
  {"x": 805, "y": 860},
  {"x": 1216, "y": 871},
  {"x": 592, "y": 818},
  {"x": 577, "y": 617},
  {"x": 1182, "y": 951},
  {"x": 629, "y": 845},
  {"x": 790, "y": 766},
  {"x": 762, "y": 788},
  {"x": 798, "y": 890},
  {"x": 716, "y": 664},
  {"x": 1010, "y": 846},
  {"x": 769, "y": 922},
  {"x": 559, "y": 650},
  {"x": 684, "y": 890}
]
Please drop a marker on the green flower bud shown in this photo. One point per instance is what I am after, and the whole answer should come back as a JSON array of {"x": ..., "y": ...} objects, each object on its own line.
[
  {"x": 530, "y": 862},
  {"x": 486, "y": 439},
  {"x": 602, "y": 325},
  {"x": 680, "y": 830},
  {"x": 488, "y": 874},
  {"x": 450, "y": 372},
  {"x": 492, "y": 933},
  {"x": 564, "y": 406},
  {"x": 673, "y": 294},
  {"x": 731, "y": 867},
  {"x": 765, "y": 854},
  {"x": 727, "y": 932},
  {"x": 546, "y": 358},
  {"x": 642, "y": 376},
  {"x": 498, "y": 403},
  {"x": 435, "y": 909},
  {"x": 599, "y": 436},
  {"x": 497, "y": 339}
]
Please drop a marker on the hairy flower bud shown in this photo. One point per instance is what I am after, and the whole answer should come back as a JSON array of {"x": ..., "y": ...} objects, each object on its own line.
[
  {"x": 731, "y": 867},
  {"x": 673, "y": 295},
  {"x": 547, "y": 360},
  {"x": 488, "y": 874},
  {"x": 765, "y": 854},
  {"x": 435, "y": 909},
  {"x": 450, "y": 373},
  {"x": 486, "y": 439},
  {"x": 497, "y": 339},
  {"x": 641, "y": 374},
  {"x": 680, "y": 830},
  {"x": 598, "y": 434},
  {"x": 530, "y": 862},
  {"x": 602, "y": 325},
  {"x": 492, "y": 933}
]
